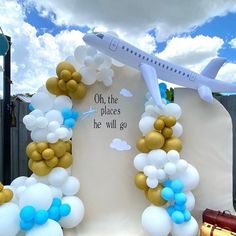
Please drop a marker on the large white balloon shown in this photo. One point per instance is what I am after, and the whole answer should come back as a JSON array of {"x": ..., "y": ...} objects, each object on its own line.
[
  {"x": 140, "y": 161},
  {"x": 190, "y": 204},
  {"x": 80, "y": 53},
  {"x": 38, "y": 195},
  {"x": 177, "y": 130},
  {"x": 51, "y": 228},
  {"x": 42, "y": 101},
  {"x": 157, "y": 158},
  {"x": 172, "y": 109},
  {"x": 57, "y": 177},
  {"x": 156, "y": 221},
  {"x": 54, "y": 115},
  {"x": 189, "y": 228},
  {"x": 56, "y": 192},
  {"x": 39, "y": 135},
  {"x": 88, "y": 75},
  {"x": 41, "y": 179},
  {"x": 76, "y": 215},
  {"x": 62, "y": 102},
  {"x": 146, "y": 124},
  {"x": 71, "y": 186},
  {"x": 36, "y": 113},
  {"x": 9, "y": 219},
  {"x": 19, "y": 181}
]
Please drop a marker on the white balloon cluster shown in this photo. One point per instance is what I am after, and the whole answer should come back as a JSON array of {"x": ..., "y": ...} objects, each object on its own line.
[
  {"x": 46, "y": 121},
  {"x": 39, "y": 192},
  {"x": 93, "y": 65}
]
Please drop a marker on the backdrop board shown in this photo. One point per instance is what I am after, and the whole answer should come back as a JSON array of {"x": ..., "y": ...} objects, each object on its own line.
[{"x": 104, "y": 148}]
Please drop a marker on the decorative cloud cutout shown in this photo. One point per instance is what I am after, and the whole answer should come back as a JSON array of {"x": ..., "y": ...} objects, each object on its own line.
[
  {"x": 120, "y": 145},
  {"x": 126, "y": 93}
]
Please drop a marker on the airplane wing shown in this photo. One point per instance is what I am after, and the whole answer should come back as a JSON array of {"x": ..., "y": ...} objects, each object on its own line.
[
  {"x": 150, "y": 78},
  {"x": 213, "y": 67},
  {"x": 205, "y": 93}
]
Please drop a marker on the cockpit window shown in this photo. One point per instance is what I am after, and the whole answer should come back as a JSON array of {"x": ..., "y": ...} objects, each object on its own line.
[{"x": 99, "y": 35}]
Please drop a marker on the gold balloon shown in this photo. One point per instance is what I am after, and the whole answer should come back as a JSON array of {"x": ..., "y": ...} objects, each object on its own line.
[
  {"x": 2, "y": 198},
  {"x": 52, "y": 162},
  {"x": 59, "y": 148},
  {"x": 52, "y": 86},
  {"x": 71, "y": 85},
  {"x": 8, "y": 194},
  {"x": 159, "y": 124},
  {"x": 65, "y": 75},
  {"x": 40, "y": 168},
  {"x": 162, "y": 117},
  {"x": 140, "y": 181},
  {"x": 65, "y": 161},
  {"x": 173, "y": 144},
  {"x": 30, "y": 162},
  {"x": 30, "y": 148},
  {"x": 62, "y": 85},
  {"x": 76, "y": 76},
  {"x": 141, "y": 145},
  {"x": 69, "y": 146},
  {"x": 80, "y": 91},
  {"x": 154, "y": 140},
  {"x": 154, "y": 196},
  {"x": 48, "y": 154},
  {"x": 36, "y": 156},
  {"x": 170, "y": 121},
  {"x": 1, "y": 186},
  {"x": 167, "y": 132},
  {"x": 41, "y": 146},
  {"x": 64, "y": 66}
]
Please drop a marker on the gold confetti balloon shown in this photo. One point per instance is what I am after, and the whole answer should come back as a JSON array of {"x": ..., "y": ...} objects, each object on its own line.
[
  {"x": 140, "y": 181},
  {"x": 141, "y": 145},
  {"x": 154, "y": 196},
  {"x": 173, "y": 144},
  {"x": 154, "y": 140}
]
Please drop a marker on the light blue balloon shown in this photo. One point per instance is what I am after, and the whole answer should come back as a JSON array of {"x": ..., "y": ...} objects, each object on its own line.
[
  {"x": 65, "y": 210},
  {"x": 66, "y": 113},
  {"x": 178, "y": 217},
  {"x": 27, "y": 213},
  {"x": 41, "y": 217},
  {"x": 180, "y": 198},
  {"x": 180, "y": 207},
  {"x": 4, "y": 45},
  {"x": 54, "y": 213},
  {"x": 30, "y": 106},
  {"x": 69, "y": 123},
  {"x": 167, "y": 183},
  {"x": 177, "y": 186},
  {"x": 26, "y": 225},
  {"x": 167, "y": 193},
  {"x": 187, "y": 216},
  {"x": 56, "y": 202},
  {"x": 75, "y": 115},
  {"x": 170, "y": 210},
  {"x": 163, "y": 86}
]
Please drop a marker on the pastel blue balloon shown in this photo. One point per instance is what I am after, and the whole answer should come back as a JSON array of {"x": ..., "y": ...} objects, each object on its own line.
[
  {"x": 167, "y": 183},
  {"x": 187, "y": 216},
  {"x": 180, "y": 207},
  {"x": 27, "y": 213},
  {"x": 177, "y": 186},
  {"x": 66, "y": 113},
  {"x": 56, "y": 202},
  {"x": 69, "y": 123},
  {"x": 41, "y": 217},
  {"x": 170, "y": 210},
  {"x": 178, "y": 217},
  {"x": 26, "y": 225},
  {"x": 65, "y": 210},
  {"x": 75, "y": 115},
  {"x": 30, "y": 106},
  {"x": 4, "y": 45},
  {"x": 180, "y": 198},
  {"x": 167, "y": 193},
  {"x": 54, "y": 213},
  {"x": 162, "y": 86}
]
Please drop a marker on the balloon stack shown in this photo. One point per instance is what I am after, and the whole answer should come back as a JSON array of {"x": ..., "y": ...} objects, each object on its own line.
[
  {"x": 43, "y": 156},
  {"x": 166, "y": 179},
  {"x": 6, "y": 194}
]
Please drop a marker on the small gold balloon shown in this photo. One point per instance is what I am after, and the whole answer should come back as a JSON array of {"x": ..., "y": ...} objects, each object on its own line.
[
  {"x": 146, "y": 193},
  {"x": 141, "y": 145},
  {"x": 154, "y": 140},
  {"x": 40, "y": 168},
  {"x": 69, "y": 146},
  {"x": 8, "y": 194},
  {"x": 170, "y": 121},
  {"x": 59, "y": 148},
  {"x": 71, "y": 85},
  {"x": 48, "y": 154},
  {"x": 64, "y": 66},
  {"x": 65, "y": 161},
  {"x": 30, "y": 148},
  {"x": 52, "y": 162},
  {"x": 36, "y": 156},
  {"x": 162, "y": 117},
  {"x": 173, "y": 144},
  {"x": 41, "y": 146},
  {"x": 2, "y": 198},
  {"x": 65, "y": 75},
  {"x": 30, "y": 162},
  {"x": 80, "y": 91},
  {"x": 140, "y": 181},
  {"x": 62, "y": 85},
  {"x": 167, "y": 132},
  {"x": 159, "y": 124},
  {"x": 52, "y": 86},
  {"x": 1, "y": 186},
  {"x": 76, "y": 76},
  {"x": 154, "y": 196}
]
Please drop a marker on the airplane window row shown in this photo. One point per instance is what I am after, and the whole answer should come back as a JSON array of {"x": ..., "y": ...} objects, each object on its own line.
[{"x": 155, "y": 62}]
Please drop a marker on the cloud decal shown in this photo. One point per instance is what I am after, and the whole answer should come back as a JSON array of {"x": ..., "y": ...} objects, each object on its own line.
[
  {"x": 126, "y": 93},
  {"x": 120, "y": 145}
]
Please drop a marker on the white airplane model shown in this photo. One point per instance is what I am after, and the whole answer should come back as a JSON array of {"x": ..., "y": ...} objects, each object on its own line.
[{"x": 152, "y": 67}]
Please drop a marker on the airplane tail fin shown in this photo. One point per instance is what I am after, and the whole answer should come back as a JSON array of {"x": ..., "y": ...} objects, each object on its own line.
[{"x": 213, "y": 67}]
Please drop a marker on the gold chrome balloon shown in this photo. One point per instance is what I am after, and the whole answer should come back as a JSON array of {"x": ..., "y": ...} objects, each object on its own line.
[
  {"x": 52, "y": 86},
  {"x": 8, "y": 194},
  {"x": 36, "y": 156},
  {"x": 167, "y": 132},
  {"x": 48, "y": 154},
  {"x": 65, "y": 75},
  {"x": 40, "y": 168},
  {"x": 65, "y": 161},
  {"x": 140, "y": 181},
  {"x": 41, "y": 146},
  {"x": 71, "y": 86},
  {"x": 159, "y": 124},
  {"x": 52, "y": 162},
  {"x": 173, "y": 144},
  {"x": 170, "y": 121},
  {"x": 64, "y": 66},
  {"x": 30, "y": 148},
  {"x": 76, "y": 76},
  {"x": 141, "y": 145},
  {"x": 154, "y": 196},
  {"x": 62, "y": 85},
  {"x": 154, "y": 140},
  {"x": 69, "y": 146},
  {"x": 80, "y": 91},
  {"x": 59, "y": 148},
  {"x": 2, "y": 198},
  {"x": 1, "y": 186}
]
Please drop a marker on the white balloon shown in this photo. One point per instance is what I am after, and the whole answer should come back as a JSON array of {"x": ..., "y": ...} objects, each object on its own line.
[
  {"x": 62, "y": 102},
  {"x": 9, "y": 219},
  {"x": 172, "y": 109},
  {"x": 152, "y": 183},
  {"x": 54, "y": 115},
  {"x": 52, "y": 138},
  {"x": 38, "y": 195},
  {"x": 41, "y": 122},
  {"x": 190, "y": 178},
  {"x": 107, "y": 62},
  {"x": 173, "y": 156},
  {"x": 140, "y": 161},
  {"x": 91, "y": 51},
  {"x": 190, "y": 204},
  {"x": 107, "y": 81},
  {"x": 177, "y": 130},
  {"x": 156, "y": 221},
  {"x": 69, "y": 170},
  {"x": 189, "y": 228},
  {"x": 69, "y": 135},
  {"x": 150, "y": 171},
  {"x": 146, "y": 124},
  {"x": 50, "y": 228},
  {"x": 80, "y": 53},
  {"x": 157, "y": 158},
  {"x": 40, "y": 179},
  {"x": 88, "y": 75},
  {"x": 36, "y": 113},
  {"x": 71, "y": 186},
  {"x": 29, "y": 120},
  {"x": 161, "y": 175},
  {"x": 53, "y": 126},
  {"x": 72, "y": 60},
  {"x": 89, "y": 62},
  {"x": 19, "y": 181},
  {"x": 62, "y": 132},
  {"x": 19, "y": 191},
  {"x": 30, "y": 181},
  {"x": 42, "y": 101},
  {"x": 98, "y": 59},
  {"x": 170, "y": 168},
  {"x": 57, "y": 177},
  {"x": 181, "y": 165},
  {"x": 39, "y": 135},
  {"x": 56, "y": 192}
]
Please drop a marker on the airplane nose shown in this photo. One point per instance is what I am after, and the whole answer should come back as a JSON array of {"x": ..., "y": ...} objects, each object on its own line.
[{"x": 85, "y": 38}]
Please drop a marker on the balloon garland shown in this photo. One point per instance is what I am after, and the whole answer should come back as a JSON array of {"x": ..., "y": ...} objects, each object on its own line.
[{"x": 45, "y": 202}]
